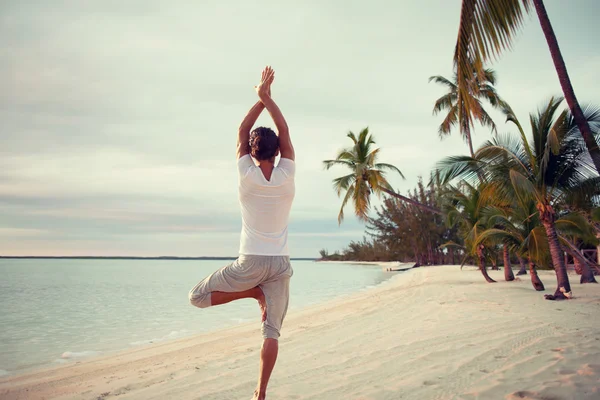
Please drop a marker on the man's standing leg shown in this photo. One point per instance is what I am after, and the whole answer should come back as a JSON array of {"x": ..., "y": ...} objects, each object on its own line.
[
  {"x": 268, "y": 357},
  {"x": 276, "y": 295}
]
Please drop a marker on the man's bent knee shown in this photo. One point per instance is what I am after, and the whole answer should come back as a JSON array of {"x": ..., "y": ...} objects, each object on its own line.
[
  {"x": 270, "y": 332},
  {"x": 200, "y": 300}
]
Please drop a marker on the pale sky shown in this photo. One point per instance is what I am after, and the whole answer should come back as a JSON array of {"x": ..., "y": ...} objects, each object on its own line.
[{"x": 119, "y": 118}]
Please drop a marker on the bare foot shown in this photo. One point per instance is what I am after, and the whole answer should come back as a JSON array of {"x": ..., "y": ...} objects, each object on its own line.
[
  {"x": 262, "y": 303},
  {"x": 258, "y": 396}
]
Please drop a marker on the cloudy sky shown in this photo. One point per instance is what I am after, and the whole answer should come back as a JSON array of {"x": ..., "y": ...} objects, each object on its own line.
[{"x": 119, "y": 118}]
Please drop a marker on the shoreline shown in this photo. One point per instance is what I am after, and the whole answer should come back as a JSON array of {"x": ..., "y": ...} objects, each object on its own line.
[
  {"x": 65, "y": 356},
  {"x": 384, "y": 264},
  {"x": 429, "y": 332}
]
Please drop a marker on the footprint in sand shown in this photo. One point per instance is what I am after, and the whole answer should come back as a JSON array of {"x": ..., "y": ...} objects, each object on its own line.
[
  {"x": 524, "y": 394},
  {"x": 589, "y": 370}
]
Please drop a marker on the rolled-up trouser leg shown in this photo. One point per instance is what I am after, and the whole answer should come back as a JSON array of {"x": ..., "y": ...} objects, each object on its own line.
[
  {"x": 277, "y": 296},
  {"x": 200, "y": 295},
  {"x": 227, "y": 279}
]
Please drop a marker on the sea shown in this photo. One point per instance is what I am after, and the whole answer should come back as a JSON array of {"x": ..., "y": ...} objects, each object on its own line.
[{"x": 56, "y": 311}]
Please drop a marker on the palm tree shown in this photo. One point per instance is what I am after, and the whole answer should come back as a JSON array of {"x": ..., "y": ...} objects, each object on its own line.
[
  {"x": 545, "y": 171},
  {"x": 367, "y": 176},
  {"x": 517, "y": 227},
  {"x": 582, "y": 202},
  {"x": 463, "y": 207},
  {"x": 486, "y": 28},
  {"x": 572, "y": 228},
  {"x": 507, "y": 245},
  {"x": 462, "y": 114}
]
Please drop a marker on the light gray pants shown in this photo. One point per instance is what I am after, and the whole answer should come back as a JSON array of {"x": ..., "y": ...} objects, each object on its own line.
[{"x": 271, "y": 273}]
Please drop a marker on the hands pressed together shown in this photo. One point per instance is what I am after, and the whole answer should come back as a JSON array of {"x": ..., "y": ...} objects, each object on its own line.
[{"x": 263, "y": 89}]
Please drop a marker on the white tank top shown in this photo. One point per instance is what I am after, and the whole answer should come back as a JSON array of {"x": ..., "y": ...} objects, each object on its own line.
[{"x": 265, "y": 207}]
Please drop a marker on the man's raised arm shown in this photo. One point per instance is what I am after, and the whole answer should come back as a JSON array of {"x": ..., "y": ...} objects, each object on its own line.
[
  {"x": 243, "y": 146},
  {"x": 285, "y": 143}
]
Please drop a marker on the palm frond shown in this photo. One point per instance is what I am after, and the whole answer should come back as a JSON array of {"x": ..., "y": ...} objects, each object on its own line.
[
  {"x": 486, "y": 120},
  {"x": 451, "y": 244},
  {"x": 349, "y": 195},
  {"x": 493, "y": 236},
  {"x": 361, "y": 199},
  {"x": 442, "y": 81},
  {"x": 343, "y": 183},
  {"x": 450, "y": 121},
  {"x": 331, "y": 163},
  {"x": 524, "y": 188},
  {"x": 382, "y": 166},
  {"x": 458, "y": 167},
  {"x": 352, "y": 136},
  {"x": 576, "y": 225},
  {"x": 486, "y": 28},
  {"x": 536, "y": 244},
  {"x": 446, "y": 102},
  {"x": 372, "y": 157}
]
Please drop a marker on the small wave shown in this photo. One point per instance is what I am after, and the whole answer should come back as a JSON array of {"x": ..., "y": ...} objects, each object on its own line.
[
  {"x": 68, "y": 355},
  {"x": 4, "y": 372},
  {"x": 172, "y": 335}
]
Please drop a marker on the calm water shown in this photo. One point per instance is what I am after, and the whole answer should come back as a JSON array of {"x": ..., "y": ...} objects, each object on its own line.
[{"x": 55, "y": 311}]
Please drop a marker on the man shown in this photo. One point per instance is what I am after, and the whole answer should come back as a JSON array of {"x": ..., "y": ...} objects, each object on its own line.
[{"x": 262, "y": 270}]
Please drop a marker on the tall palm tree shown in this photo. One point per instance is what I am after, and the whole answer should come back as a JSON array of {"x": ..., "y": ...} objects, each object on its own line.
[
  {"x": 461, "y": 113},
  {"x": 545, "y": 171},
  {"x": 486, "y": 28},
  {"x": 367, "y": 176}
]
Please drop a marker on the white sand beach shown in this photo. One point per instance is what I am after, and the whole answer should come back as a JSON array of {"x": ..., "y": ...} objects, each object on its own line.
[{"x": 429, "y": 333}]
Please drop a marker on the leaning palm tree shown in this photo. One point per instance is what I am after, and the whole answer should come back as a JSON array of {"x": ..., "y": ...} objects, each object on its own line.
[
  {"x": 573, "y": 228},
  {"x": 366, "y": 176},
  {"x": 544, "y": 171},
  {"x": 462, "y": 114},
  {"x": 486, "y": 28}
]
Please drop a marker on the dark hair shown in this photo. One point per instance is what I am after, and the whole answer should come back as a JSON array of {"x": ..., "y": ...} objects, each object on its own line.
[{"x": 264, "y": 143}]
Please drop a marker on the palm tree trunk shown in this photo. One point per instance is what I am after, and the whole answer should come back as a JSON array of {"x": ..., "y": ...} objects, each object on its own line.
[
  {"x": 495, "y": 263},
  {"x": 481, "y": 258},
  {"x": 535, "y": 279},
  {"x": 411, "y": 201},
  {"x": 523, "y": 270},
  {"x": 581, "y": 264},
  {"x": 547, "y": 217},
  {"x": 578, "y": 268},
  {"x": 508, "y": 272},
  {"x": 587, "y": 275},
  {"x": 565, "y": 83}
]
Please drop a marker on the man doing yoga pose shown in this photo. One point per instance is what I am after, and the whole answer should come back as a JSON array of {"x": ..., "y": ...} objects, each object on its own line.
[{"x": 266, "y": 191}]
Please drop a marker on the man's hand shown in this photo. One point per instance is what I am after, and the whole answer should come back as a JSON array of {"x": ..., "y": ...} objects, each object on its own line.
[{"x": 264, "y": 87}]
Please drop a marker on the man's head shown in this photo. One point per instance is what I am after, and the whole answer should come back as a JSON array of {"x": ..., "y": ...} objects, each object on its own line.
[{"x": 264, "y": 144}]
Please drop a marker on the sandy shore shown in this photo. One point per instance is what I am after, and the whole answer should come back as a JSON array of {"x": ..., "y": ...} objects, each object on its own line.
[{"x": 430, "y": 333}]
